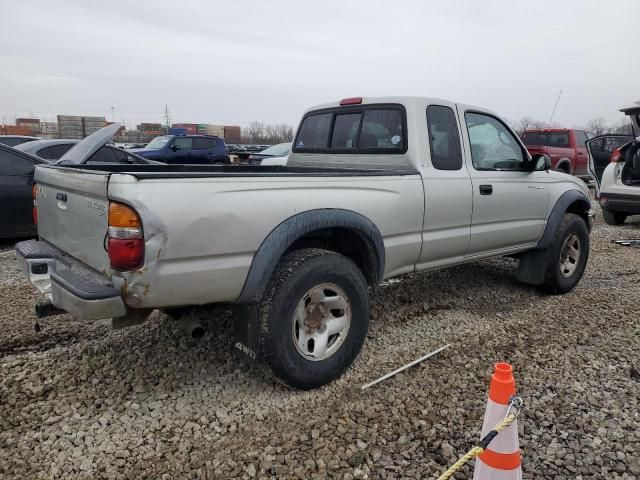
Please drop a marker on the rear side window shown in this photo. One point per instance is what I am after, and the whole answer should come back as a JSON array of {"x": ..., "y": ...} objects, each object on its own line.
[
  {"x": 58, "y": 151},
  {"x": 444, "y": 138},
  {"x": 358, "y": 129},
  {"x": 104, "y": 155},
  {"x": 204, "y": 143},
  {"x": 45, "y": 153},
  {"x": 314, "y": 132}
]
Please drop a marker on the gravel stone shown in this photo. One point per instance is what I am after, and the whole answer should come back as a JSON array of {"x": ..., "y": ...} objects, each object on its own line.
[{"x": 79, "y": 400}]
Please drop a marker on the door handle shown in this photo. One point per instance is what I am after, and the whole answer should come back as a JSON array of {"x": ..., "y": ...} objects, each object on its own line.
[{"x": 486, "y": 189}]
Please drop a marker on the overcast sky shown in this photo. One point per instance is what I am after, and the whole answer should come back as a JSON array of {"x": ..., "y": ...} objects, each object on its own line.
[{"x": 233, "y": 62}]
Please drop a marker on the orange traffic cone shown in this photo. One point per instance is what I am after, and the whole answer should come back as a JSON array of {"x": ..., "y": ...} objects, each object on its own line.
[{"x": 501, "y": 461}]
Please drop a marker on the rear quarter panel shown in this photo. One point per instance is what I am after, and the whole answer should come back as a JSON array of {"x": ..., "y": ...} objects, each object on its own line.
[{"x": 201, "y": 233}]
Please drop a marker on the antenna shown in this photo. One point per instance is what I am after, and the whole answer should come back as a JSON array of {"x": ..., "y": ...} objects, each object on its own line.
[{"x": 554, "y": 108}]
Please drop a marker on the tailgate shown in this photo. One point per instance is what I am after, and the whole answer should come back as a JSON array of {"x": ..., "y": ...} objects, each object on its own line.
[{"x": 72, "y": 212}]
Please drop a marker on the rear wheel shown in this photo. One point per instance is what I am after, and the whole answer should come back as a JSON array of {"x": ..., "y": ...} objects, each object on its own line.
[
  {"x": 314, "y": 317},
  {"x": 613, "y": 218},
  {"x": 567, "y": 255}
]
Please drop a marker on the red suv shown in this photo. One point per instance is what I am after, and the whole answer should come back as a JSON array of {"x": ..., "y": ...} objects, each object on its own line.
[{"x": 566, "y": 148}]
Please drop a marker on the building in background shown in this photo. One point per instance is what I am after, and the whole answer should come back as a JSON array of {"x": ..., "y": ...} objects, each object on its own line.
[
  {"x": 31, "y": 123},
  {"x": 15, "y": 130},
  {"x": 72, "y": 126},
  {"x": 151, "y": 130},
  {"x": 49, "y": 129},
  {"x": 232, "y": 134}
]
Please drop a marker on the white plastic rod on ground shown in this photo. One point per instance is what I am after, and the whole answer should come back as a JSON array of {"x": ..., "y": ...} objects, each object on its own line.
[{"x": 408, "y": 365}]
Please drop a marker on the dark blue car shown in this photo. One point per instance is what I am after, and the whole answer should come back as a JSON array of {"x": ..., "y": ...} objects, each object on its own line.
[{"x": 186, "y": 149}]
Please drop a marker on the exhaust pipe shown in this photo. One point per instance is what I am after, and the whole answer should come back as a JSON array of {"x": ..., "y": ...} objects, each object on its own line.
[{"x": 193, "y": 327}]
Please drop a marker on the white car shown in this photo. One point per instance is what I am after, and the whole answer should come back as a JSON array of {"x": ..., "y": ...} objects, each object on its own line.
[
  {"x": 614, "y": 162},
  {"x": 275, "y": 161}
]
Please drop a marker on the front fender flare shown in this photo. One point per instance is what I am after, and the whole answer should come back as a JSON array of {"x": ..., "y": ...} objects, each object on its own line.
[
  {"x": 286, "y": 233},
  {"x": 559, "y": 209}
]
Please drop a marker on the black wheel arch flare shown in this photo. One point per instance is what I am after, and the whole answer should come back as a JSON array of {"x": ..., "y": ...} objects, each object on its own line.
[{"x": 283, "y": 236}]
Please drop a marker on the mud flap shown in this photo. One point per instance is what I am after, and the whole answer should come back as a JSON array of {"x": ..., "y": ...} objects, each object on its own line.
[
  {"x": 532, "y": 267},
  {"x": 246, "y": 332}
]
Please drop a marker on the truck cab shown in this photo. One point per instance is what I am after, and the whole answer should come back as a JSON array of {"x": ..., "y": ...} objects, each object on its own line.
[
  {"x": 186, "y": 150},
  {"x": 565, "y": 147}
]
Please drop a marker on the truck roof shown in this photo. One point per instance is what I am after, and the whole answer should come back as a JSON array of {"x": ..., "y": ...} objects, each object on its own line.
[{"x": 401, "y": 100}]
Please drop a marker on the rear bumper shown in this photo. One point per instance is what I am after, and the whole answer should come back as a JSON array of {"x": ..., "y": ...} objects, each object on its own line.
[
  {"x": 620, "y": 203},
  {"x": 68, "y": 283}
]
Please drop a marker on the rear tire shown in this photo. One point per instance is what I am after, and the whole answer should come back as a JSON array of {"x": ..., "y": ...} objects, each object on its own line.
[
  {"x": 567, "y": 255},
  {"x": 314, "y": 317},
  {"x": 613, "y": 218}
]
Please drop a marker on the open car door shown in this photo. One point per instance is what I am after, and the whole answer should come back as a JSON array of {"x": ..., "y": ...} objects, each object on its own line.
[{"x": 600, "y": 149}]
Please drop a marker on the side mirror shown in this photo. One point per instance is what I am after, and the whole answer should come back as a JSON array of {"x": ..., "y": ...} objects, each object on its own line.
[
  {"x": 175, "y": 148},
  {"x": 540, "y": 162}
]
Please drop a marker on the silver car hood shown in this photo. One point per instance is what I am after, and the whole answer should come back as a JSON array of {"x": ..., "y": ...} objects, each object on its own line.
[{"x": 83, "y": 150}]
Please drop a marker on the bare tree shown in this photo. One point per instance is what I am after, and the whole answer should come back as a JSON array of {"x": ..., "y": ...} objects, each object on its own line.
[
  {"x": 527, "y": 123},
  {"x": 259, "y": 133},
  {"x": 596, "y": 126}
]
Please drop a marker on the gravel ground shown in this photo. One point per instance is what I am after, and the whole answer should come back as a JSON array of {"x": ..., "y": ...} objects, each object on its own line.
[{"x": 79, "y": 400}]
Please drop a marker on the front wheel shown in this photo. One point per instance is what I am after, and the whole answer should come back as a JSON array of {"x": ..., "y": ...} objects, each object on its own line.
[
  {"x": 314, "y": 317},
  {"x": 613, "y": 218},
  {"x": 567, "y": 255}
]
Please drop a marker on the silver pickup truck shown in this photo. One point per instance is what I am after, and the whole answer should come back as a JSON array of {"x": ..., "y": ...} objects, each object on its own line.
[{"x": 374, "y": 188}]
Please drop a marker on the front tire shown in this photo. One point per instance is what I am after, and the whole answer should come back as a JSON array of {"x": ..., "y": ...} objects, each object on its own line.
[
  {"x": 314, "y": 317},
  {"x": 613, "y": 218},
  {"x": 567, "y": 255}
]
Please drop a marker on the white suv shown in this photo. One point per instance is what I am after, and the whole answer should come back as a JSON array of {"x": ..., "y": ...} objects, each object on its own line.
[{"x": 614, "y": 163}]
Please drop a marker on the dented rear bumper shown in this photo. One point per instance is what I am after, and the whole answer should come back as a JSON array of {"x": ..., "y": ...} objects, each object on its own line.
[{"x": 67, "y": 283}]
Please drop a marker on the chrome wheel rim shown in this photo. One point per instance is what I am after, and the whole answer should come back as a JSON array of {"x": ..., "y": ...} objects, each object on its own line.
[
  {"x": 570, "y": 255},
  {"x": 321, "y": 322}
]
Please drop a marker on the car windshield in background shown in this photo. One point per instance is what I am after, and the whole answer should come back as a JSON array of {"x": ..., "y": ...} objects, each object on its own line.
[
  {"x": 277, "y": 150},
  {"x": 546, "y": 139},
  {"x": 352, "y": 130},
  {"x": 158, "y": 143}
]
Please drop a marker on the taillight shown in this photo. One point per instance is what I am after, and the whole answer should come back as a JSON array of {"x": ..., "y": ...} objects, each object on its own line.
[
  {"x": 126, "y": 241},
  {"x": 603, "y": 200},
  {"x": 616, "y": 156},
  {"x": 34, "y": 211}
]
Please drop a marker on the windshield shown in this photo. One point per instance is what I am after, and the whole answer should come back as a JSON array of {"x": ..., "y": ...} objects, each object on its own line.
[
  {"x": 158, "y": 143},
  {"x": 548, "y": 139},
  {"x": 278, "y": 150}
]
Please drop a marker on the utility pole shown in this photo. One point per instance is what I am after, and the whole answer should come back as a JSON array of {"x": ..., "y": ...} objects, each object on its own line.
[
  {"x": 113, "y": 116},
  {"x": 167, "y": 117}
]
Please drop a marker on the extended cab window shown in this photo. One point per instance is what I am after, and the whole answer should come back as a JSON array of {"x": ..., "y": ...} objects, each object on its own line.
[
  {"x": 444, "y": 138},
  {"x": 493, "y": 146},
  {"x": 360, "y": 129}
]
